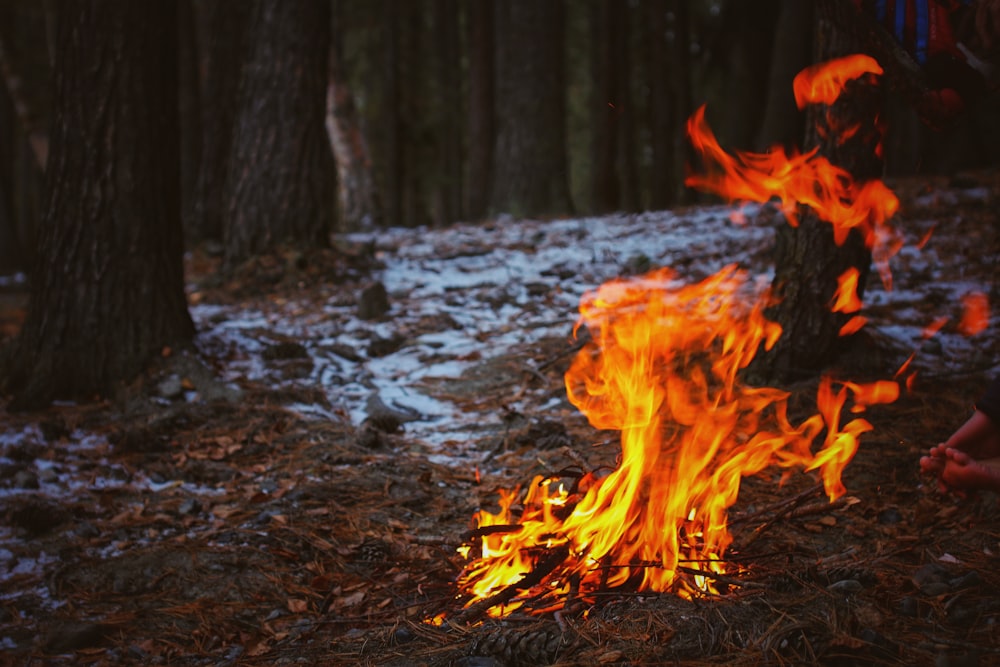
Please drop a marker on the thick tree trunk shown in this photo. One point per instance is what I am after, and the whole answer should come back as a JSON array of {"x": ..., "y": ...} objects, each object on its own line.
[
  {"x": 107, "y": 289},
  {"x": 480, "y": 131},
  {"x": 280, "y": 185},
  {"x": 807, "y": 260},
  {"x": 220, "y": 45},
  {"x": 530, "y": 166},
  {"x": 357, "y": 196}
]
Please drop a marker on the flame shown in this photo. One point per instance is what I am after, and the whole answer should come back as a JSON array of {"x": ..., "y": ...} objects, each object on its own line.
[
  {"x": 976, "y": 314},
  {"x": 805, "y": 178},
  {"x": 662, "y": 368},
  {"x": 822, "y": 83}
]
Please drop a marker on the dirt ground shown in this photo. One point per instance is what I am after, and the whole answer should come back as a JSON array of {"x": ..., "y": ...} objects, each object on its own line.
[{"x": 236, "y": 530}]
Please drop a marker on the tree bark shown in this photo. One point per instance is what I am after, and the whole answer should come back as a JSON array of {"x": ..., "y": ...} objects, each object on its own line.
[
  {"x": 189, "y": 109},
  {"x": 680, "y": 84},
  {"x": 663, "y": 177},
  {"x": 448, "y": 189},
  {"x": 107, "y": 290},
  {"x": 281, "y": 180},
  {"x": 530, "y": 166},
  {"x": 791, "y": 51},
  {"x": 357, "y": 196},
  {"x": 481, "y": 124},
  {"x": 807, "y": 261},
  {"x": 607, "y": 106},
  {"x": 220, "y": 45}
]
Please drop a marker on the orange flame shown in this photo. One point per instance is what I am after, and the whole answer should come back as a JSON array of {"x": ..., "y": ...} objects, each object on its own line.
[
  {"x": 822, "y": 83},
  {"x": 805, "y": 179},
  {"x": 976, "y": 314},
  {"x": 662, "y": 367}
]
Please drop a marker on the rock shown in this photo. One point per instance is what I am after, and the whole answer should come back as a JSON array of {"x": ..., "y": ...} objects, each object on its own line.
[
  {"x": 170, "y": 387},
  {"x": 373, "y": 302},
  {"x": 48, "y": 475},
  {"x": 285, "y": 350},
  {"x": 908, "y": 606},
  {"x": 383, "y": 347},
  {"x": 935, "y": 588},
  {"x": 25, "y": 479},
  {"x": 189, "y": 506},
  {"x": 970, "y": 579}
]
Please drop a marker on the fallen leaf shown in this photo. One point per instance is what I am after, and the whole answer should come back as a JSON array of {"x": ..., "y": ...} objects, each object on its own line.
[{"x": 298, "y": 606}]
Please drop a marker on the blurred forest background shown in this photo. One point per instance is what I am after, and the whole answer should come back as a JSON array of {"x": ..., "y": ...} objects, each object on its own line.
[{"x": 445, "y": 110}]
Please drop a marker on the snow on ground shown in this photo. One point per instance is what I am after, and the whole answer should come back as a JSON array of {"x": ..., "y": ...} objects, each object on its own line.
[{"x": 470, "y": 293}]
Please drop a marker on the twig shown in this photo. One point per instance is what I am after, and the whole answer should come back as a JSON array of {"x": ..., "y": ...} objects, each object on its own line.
[{"x": 542, "y": 569}]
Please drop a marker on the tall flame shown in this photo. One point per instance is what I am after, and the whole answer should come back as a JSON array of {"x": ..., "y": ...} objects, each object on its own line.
[{"x": 663, "y": 367}]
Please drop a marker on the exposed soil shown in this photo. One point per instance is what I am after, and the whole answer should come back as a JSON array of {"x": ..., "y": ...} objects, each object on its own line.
[{"x": 219, "y": 523}]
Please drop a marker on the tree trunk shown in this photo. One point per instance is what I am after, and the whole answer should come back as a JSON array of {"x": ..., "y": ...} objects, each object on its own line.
[
  {"x": 448, "y": 189},
  {"x": 752, "y": 26},
  {"x": 605, "y": 17},
  {"x": 480, "y": 131},
  {"x": 107, "y": 290},
  {"x": 680, "y": 84},
  {"x": 791, "y": 51},
  {"x": 391, "y": 121},
  {"x": 279, "y": 190},
  {"x": 358, "y": 202},
  {"x": 808, "y": 262},
  {"x": 220, "y": 45},
  {"x": 530, "y": 166},
  {"x": 628, "y": 172},
  {"x": 663, "y": 177},
  {"x": 189, "y": 103}
]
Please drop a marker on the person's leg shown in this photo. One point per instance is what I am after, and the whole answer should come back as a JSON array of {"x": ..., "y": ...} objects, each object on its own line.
[{"x": 970, "y": 458}]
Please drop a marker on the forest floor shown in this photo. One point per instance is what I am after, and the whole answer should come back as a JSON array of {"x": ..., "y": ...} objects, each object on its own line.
[{"x": 293, "y": 490}]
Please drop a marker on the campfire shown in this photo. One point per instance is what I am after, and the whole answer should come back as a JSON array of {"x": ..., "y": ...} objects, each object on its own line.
[{"x": 662, "y": 365}]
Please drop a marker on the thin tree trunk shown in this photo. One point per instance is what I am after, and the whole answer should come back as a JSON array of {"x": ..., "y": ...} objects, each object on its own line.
[
  {"x": 392, "y": 120},
  {"x": 606, "y": 15},
  {"x": 663, "y": 178},
  {"x": 628, "y": 172},
  {"x": 680, "y": 84},
  {"x": 220, "y": 46},
  {"x": 481, "y": 123},
  {"x": 189, "y": 102},
  {"x": 107, "y": 290},
  {"x": 279, "y": 189},
  {"x": 790, "y": 52},
  {"x": 448, "y": 204},
  {"x": 358, "y": 201}
]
